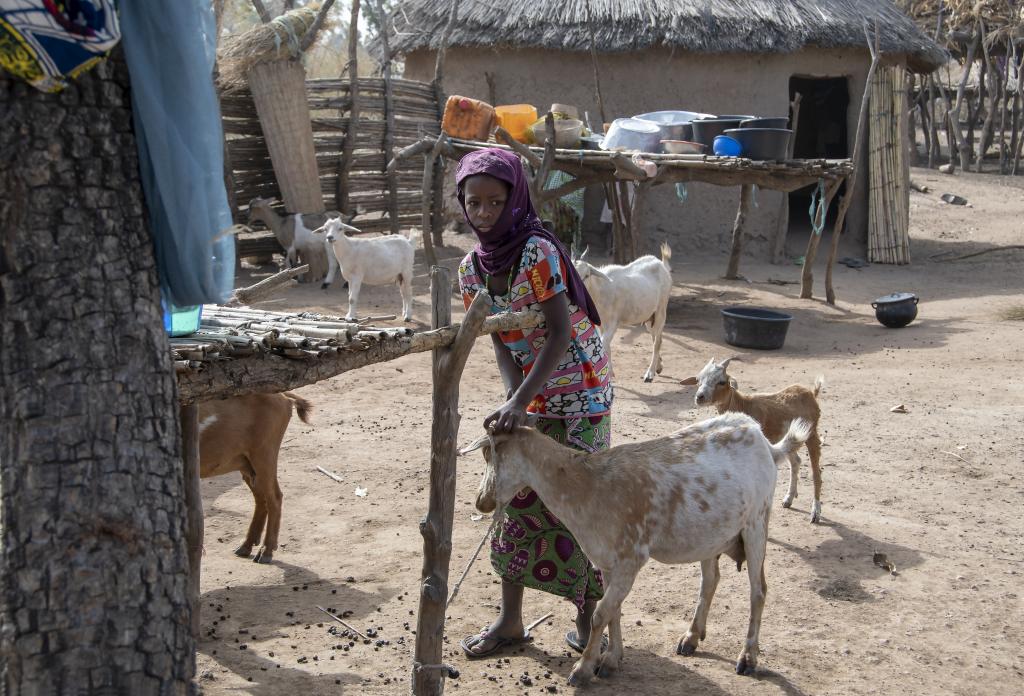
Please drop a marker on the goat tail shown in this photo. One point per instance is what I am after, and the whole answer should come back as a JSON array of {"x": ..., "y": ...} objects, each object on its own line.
[
  {"x": 666, "y": 255},
  {"x": 303, "y": 407},
  {"x": 819, "y": 384},
  {"x": 798, "y": 433}
]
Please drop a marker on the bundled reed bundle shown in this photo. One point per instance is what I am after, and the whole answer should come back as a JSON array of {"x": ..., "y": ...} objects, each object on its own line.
[
  {"x": 961, "y": 15},
  {"x": 888, "y": 174},
  {"x": 268, "y": 60}
]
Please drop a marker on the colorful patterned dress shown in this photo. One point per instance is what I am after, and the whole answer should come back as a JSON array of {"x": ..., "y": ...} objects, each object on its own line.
[{"x": 533, "y": 548}]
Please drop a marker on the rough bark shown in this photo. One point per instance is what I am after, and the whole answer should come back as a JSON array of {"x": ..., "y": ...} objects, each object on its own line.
[{"x": 93, "y": 584}]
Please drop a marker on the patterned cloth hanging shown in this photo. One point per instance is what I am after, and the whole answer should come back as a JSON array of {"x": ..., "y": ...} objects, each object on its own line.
[
  {"x": 565, "y": 213},
  {"x": 47, "y": 42}
]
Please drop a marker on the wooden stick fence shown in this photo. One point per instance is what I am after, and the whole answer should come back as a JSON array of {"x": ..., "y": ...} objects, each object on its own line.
[{"x": 378, "y": 131}]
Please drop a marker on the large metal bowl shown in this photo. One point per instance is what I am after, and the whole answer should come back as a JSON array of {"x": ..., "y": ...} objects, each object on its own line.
[
  {"x": 675, "y": 125},
  {"x": 632, "y": 134}
]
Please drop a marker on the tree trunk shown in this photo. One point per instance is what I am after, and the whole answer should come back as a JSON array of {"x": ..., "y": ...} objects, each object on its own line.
[{"x": 94, "y": 576}]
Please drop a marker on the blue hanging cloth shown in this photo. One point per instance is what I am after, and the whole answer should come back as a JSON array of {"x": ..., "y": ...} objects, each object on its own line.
[
  {"x": 170, "y": 49},
  {"x": 818, "y": 202}
]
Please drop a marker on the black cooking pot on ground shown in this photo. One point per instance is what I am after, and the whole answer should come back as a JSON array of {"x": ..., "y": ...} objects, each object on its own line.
[
  {"x": 705, "y": 130},
  {"x": 773, "y": 122},
  {"x": 762, "y": 143},
  {"x": 896, "y": 310},
  {"x": 754, "y": 327}
]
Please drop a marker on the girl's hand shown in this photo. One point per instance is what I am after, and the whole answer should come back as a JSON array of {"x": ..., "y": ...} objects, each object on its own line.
[{"x": 510, "y": 415}]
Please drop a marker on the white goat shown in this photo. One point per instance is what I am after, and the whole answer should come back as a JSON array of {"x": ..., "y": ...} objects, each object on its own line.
[
  {"x": 631, "y": 295},
  {"x": 774, "y": 412},
  {"x": 692, "y": 496},
  {"x": 294, "y": 236},
  {"x": 376, "y": 261}
]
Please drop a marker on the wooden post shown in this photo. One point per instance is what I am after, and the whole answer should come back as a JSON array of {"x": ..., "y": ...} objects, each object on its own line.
[
  {"x": 623, "y": 252},
  {"x": 807, "y": 280},
  {"x": 429, "y": 183},
  {"x": 436, "y": 527},
  {"x": 738, "y": 230},
  {"x": 341, "y": 200},
  {"x": 782, "y": 225},
  {"x": 193, "y": 508},
  {"x": 437, "y": 215},
  {"x": 389, "y": 123},
  {"x": 807, "y": 275}
]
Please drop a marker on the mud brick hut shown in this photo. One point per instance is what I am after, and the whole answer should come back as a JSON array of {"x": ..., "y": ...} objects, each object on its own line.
[{"x": 735, "y": 57}]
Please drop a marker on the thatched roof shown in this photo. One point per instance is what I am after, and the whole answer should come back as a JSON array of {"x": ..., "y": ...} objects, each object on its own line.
[{"x": 708, "y": 26}]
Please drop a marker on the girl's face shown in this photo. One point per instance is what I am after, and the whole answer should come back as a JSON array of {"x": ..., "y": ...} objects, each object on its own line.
[{"x": 485, "y": 199}]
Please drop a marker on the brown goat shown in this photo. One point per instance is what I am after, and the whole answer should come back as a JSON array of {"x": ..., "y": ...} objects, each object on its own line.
[
  {"x": 244, "y": 434},
  {"x": 774, "y": 412}
]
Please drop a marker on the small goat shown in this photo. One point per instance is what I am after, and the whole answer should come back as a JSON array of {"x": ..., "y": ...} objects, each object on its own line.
[
  {"x": 244, "y": 434},
  {"x": 376, "y": 261},
  {"x": 692, "y": 496},
  {"x": 295, "y": 236},
  {"x": 631, "y": 295},
  {"x": 774, "y": 412}
]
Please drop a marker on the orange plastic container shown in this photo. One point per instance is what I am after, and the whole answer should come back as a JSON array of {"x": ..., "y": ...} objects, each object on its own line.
[
  {"x": 517, "y": 119},
  {"x": 468, "y": 119}
]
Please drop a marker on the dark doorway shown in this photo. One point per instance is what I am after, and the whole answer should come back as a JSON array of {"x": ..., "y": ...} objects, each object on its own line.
[{"x": 821, "y": 132}]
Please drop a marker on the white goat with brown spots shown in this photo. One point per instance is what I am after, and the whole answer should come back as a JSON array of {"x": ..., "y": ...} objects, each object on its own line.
[
  {"x": 774, "y": 412},
  {"x": 244, "y": 434},
  {"x": 692, "y": 496}
]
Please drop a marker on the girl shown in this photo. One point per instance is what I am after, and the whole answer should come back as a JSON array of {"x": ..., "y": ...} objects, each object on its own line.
[{"x": 558, "y": 371}]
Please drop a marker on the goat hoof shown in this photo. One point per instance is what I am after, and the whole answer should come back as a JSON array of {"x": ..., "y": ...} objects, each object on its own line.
[
  {"x": 746, "y": 667},
  {"x": 263, "y": 557},
  {"x": 648, "y": 378},
  {"x": 324, "y": 286},
  {"x": 243, "y": 551},
  {"x": 787, "y": 502},
  {"x": 579, "y": 676},
  {"x": 815, "y": 513},
  {"x": 686, "y": 649}
]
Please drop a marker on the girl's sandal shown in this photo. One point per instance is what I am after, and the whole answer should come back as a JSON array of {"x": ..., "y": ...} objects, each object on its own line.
[{"x": 469, "y": 642}]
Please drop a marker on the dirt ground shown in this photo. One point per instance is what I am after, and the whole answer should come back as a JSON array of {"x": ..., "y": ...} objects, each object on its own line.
[{"x": 938, "y": 490}]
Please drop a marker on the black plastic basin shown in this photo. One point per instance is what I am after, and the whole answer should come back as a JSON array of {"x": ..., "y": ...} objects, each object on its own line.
[
  {"x": 763, "y": 143},
  {"x": 705, "y": 130},
  {"x": 755, "y": 327},
  {"x": 768, "y": 122}
]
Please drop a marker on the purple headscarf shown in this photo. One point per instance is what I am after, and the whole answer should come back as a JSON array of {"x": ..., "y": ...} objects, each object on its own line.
[{"x": 502, "y": 246}]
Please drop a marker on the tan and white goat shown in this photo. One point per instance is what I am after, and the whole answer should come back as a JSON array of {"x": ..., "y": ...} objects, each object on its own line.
[
  {"x": 692, "y": 496},
  {"x": 244, "y": 434},
  {"x": 774, "y": 412}
]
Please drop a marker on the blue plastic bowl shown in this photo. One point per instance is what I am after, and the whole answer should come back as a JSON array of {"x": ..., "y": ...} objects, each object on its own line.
[{"x": 727, "y": 147}]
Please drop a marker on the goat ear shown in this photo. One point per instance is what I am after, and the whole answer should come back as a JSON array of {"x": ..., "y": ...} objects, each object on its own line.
[
  {"x": 725, "y": 363},
  {"x": 733, "y": 383},
  {"x": 689, "y": 382},
  {"x": 585, "y": 251},
  {"x": 532, "y": 419}
]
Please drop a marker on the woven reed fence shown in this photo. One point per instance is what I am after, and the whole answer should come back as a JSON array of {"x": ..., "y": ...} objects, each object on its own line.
[
  {"x": 415, "y": 116},
  {"x": 888, "y": 173}
]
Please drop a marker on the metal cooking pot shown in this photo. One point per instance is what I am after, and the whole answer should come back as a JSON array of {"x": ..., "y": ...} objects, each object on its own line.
[{"x": 896, "y": 310}]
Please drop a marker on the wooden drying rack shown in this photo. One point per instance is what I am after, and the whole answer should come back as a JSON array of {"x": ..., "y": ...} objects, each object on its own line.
[{"x": 617, "y": 169}]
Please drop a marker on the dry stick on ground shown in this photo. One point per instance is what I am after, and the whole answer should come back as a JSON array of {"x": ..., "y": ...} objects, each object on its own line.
[
  {"x": 341, "y": 200},
  {"x": 983, "y": 251},
  {"x": 851, "y": 181},
  {"x": 782, "y": 227},
  {"x": 330, "y": 474},
  {"x": 343, "y": 623},
  {"x": 436, "y": 527}
]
